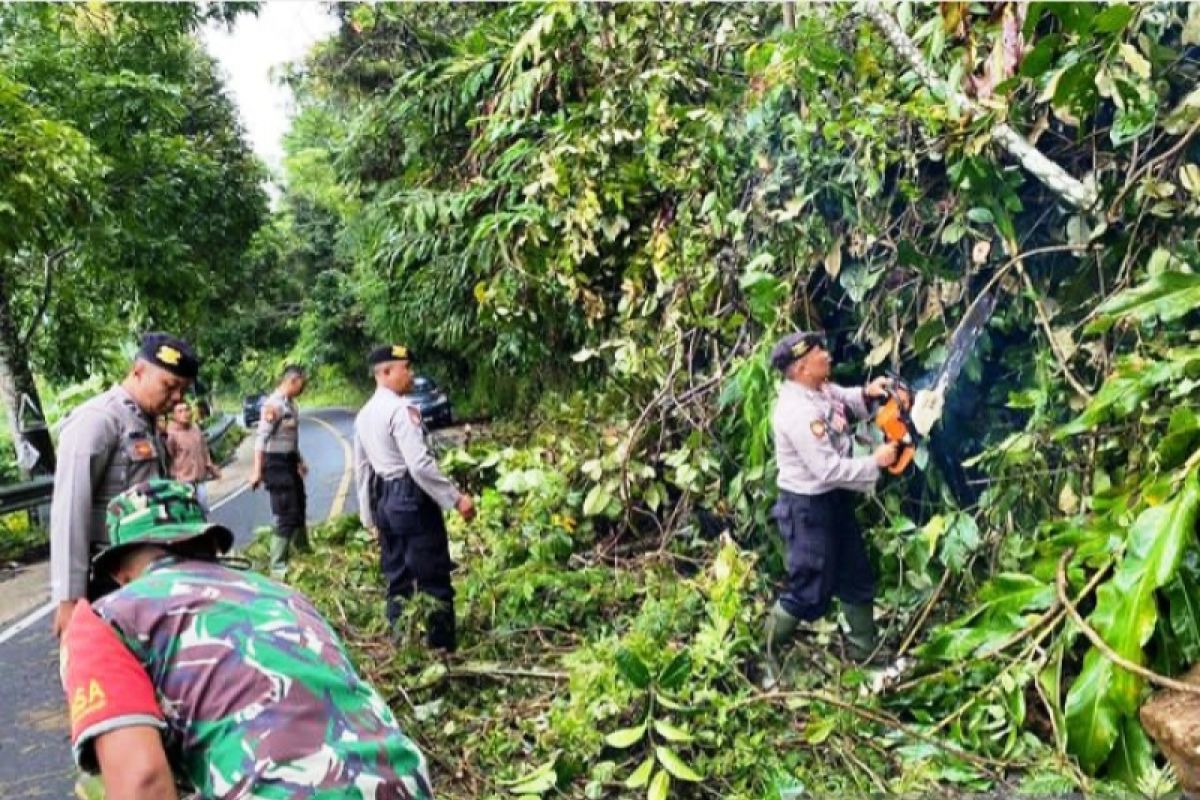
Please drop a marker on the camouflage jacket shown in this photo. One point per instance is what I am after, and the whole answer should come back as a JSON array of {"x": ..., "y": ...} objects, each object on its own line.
[{"x": 257, "y": 693}]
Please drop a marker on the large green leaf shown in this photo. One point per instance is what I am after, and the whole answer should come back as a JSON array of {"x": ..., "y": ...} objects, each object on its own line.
[
  {"x": 1125, "y": 616},
  {"x": 1166, "y": 296},
  {"x": 1183, "y": 595},
  {"x": 1133, "y": 755},
  {"x": 633, "y": 668},
  {"x": 1001, "y": 609},
  {"x": 1133, "y": 380},
  {"x": 676, "y": 671},
  {"x": 626, "y": 737},
  {"x": 676, "y": 765}
]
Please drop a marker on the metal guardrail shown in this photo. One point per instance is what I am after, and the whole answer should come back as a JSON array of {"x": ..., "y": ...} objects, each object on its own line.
[
  {"x": 26, "y": 495},
  {"x": 37, "y": 492}
]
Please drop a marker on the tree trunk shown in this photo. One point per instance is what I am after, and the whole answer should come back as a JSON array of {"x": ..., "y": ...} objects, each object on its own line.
[
  {"x": 789, "y": 15},
  {"x": 19, "y": 392}
]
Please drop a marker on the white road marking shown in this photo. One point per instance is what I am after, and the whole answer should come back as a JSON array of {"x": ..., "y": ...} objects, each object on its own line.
[
  {"x": 339, "y": 498},
  {"x": 18, "y": 627}
]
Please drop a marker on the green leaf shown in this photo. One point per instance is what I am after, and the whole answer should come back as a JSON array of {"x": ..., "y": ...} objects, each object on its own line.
[
  {"x": 1131, "y": 383},
  {"x": 1075, "y": 17},
  {"x": 981, "y": 215},
  {"x": 633, "y": 668},
  {"x": 597, "y": 500},
  {"x": 659, "y": 786},
  {"x": 1133, "y": 755},
  {"x": 670, "y": 732},
  {"x": 1039, "y": 59},
  {"x": 676, "y": 671},
  {"x": 818, "y": 729},
  {"x": 1166, "y": 296},
  {"x": 540, "y": 781},
  {"x": 1076, "y": 89},
  {"x": 675, "y": 765},
  {"x": 1181, "y": 439},
  {"x": 1183, "y": 595},
  {"x": 1005, "y": 605},
  {"x": 858, "y": 280},
  {"x": 1135, "y": 114},
  {"x": 1112, "y": 19},
  {"x": 959, "y": 541},
  {"x": 626, "y": 737},
  {"x": 1125, "y": 615},
  {"x": 764, "y": 292},
  {"x": 640, "y": 776}
]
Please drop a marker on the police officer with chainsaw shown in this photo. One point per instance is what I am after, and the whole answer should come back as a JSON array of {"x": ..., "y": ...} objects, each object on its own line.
[
  {"x": 278, "y": 464},
  {"x": 402, "y": 494},
  {"x": 818, "y": 477},
  {"x": 108, "y": 444}
]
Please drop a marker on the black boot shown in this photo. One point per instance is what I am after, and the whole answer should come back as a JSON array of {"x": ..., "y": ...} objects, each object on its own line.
[{"x": 440, "y": 628}]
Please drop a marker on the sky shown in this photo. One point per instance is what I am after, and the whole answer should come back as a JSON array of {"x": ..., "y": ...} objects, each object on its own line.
[{"x": 253, "y": 51}]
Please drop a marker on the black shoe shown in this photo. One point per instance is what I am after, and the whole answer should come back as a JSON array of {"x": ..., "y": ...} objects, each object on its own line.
[{"x": 440, "y": 632}]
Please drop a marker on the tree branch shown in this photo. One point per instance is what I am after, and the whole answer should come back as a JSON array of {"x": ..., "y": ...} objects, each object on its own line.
[
  {"x": 51, "y": 261},
  {"x": 1103, "y": 646},
  {"x": 1078, "y": 193}
]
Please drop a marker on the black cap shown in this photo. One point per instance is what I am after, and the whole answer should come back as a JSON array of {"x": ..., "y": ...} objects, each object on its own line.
[
  {"x": 794, "y": 346},
  {"x": 389, "y": 352},
  {"x": 171, "y": 353}
]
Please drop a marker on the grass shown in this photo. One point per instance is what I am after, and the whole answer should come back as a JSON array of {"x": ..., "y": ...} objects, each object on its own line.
[{"x": 19, "y": 539}]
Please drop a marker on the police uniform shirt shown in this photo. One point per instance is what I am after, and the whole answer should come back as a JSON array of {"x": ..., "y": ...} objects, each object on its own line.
[
  {"x": 107, "y": 445},
  {"x": 278, "y": 426},
  {"x": 813, "y": 440},
  {"x": 389, "y": 441}
]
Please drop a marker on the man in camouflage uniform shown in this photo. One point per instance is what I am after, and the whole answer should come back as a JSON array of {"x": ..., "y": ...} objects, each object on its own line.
[
  {"x": 225, "y": 682},
  {"x": 108, "y": 444},
  {"x": 278, "y": 463},
  {"x": 818, "y": 478}
]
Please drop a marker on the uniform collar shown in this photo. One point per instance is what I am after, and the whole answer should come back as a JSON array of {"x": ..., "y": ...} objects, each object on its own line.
[
  {"x": 795, "y": 387},
  {"x": 127, "y": 400}
]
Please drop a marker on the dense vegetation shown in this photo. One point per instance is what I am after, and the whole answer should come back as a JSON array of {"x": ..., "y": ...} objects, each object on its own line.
[{"x": 594, "y": 220}]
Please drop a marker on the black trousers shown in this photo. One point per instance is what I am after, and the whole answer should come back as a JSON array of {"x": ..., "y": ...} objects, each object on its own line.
[
  {"x": 289, "y": 502},
  {"x": 826, "y": 555},
  {"x": 415, "y": 554}
]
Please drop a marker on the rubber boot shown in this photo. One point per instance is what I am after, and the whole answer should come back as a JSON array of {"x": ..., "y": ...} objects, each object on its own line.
[
  {"x": 440, "y": 631},
  {"x": 777, "y": 633},
  {"x": 862, "y": 641},
  {"x": 780, "y": 627},
  {"x": 395, "y": 610},
  {"x": 300, "y": 541},
  {"x": 280, "y": 545}
]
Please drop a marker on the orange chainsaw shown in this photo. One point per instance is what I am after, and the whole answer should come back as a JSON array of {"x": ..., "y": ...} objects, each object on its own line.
[
  {"x": 904, "y": 417},
  {"x": 893, "y": 418}
]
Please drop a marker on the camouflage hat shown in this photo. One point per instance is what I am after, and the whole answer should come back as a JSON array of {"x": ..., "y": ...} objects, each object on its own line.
[{"x": 161, "y": 512}]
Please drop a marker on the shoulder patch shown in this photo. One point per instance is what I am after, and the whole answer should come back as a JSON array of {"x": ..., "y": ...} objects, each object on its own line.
[
  {"x": 817, "y": 426},
  {"x": 414, "y": 415},
  {"x": 270, "y": 413}
]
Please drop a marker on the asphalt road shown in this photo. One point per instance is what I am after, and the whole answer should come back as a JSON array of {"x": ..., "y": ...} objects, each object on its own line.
[{"x": 35, "y": 757}]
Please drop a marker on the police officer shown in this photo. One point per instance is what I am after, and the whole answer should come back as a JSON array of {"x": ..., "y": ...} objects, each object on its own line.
[
  {"x": 818, "y": 477},
  {"x": 402, "y": 493},
  {"x": 278, "y": 464},
  {"x": 108, "y": 444}
]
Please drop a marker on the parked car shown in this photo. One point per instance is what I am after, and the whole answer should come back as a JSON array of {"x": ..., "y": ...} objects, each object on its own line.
[
  {"x": 432, "y": 402},
  {"x": 252, "y": 409}
]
